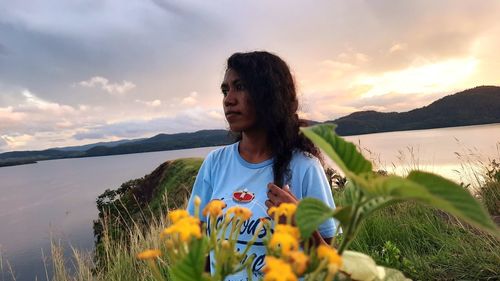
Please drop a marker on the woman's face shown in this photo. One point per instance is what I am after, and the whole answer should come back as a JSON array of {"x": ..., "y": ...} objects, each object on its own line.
[{"x": 238, "y": 107}]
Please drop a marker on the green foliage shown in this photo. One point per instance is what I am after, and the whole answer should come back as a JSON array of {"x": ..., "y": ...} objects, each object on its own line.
[
  {"x": 177, "y": 182},
  {"x": 192, "y": 266},
  {"x": 432, "y": 245},
  {"x": 451, "y": 198},
  {"x": 489, "y": 193},
  {"x": 312, "y": 214},
  {"x": 139, "y": 202},
  {"x": 375, "y": 191},
  {"x": 368, "y": 191},
  {"x": 343, "y": 153}
]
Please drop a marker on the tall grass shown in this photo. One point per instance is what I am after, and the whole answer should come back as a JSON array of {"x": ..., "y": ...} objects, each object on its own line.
[
  {"x": 6, "y": 270},
  {"x": 427, "y": 244},
  {"x": 120, "y": 256}
]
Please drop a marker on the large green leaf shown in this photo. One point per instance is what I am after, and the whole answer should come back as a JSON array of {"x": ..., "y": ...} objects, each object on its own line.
[
  {"x": 343, "y": 215},
  {"x": 192, "y": 266},
  {"x": 432, "y": 190},
  {"x": 374, "y": 203},
  {"x": 343, "y": 153},
  {"x": 311, "y": 213},
  {"x": 453, "y": 198}
]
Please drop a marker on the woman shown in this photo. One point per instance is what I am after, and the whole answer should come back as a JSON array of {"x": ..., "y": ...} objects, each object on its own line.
[{"x": 272, "y": 162}]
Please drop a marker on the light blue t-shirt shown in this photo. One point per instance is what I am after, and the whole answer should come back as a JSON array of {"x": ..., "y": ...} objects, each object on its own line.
[{"x": 224, "y": 171}]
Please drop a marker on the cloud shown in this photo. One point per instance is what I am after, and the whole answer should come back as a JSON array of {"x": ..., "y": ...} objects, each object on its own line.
[
  {"x": 8, "y": 116},
  {"x": 34, "y": 104},
  {"x": 169, "y": 7},
  {"x": 189, "y": 120},
  {"x": 112, "y": 88},
  {"x": 3, "y": 49},
  {"x": 32, "y": 113},
  {"x": 426, "y": 77},
  {"x": 33, "y": 116},
  {"x": 15, "y": 141},
  {"x": 3, "y": 144},
  {"x": 395, "y": 102},
  {"x": 153, "y": 103},
  {"x": 397, "y": 47},
  {"x": 191, "y": 99},
  {"x": 348, "y": 55}
]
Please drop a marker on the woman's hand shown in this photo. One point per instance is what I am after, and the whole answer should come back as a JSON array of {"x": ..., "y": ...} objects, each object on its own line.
[{"x": 277, "y": 195}]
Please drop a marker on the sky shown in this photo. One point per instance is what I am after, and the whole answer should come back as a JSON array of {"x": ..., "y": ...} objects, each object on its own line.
[{"x": 78, "y": 72}]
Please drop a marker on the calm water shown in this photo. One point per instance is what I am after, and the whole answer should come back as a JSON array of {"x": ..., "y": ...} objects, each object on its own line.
[{"x": 57, "y": 197}]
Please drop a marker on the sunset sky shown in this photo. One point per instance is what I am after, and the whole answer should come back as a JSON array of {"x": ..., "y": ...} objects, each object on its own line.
[{"x": 78, "y": 72}]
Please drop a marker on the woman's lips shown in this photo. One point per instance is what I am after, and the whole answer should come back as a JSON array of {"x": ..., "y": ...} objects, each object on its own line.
[{"x": 231, "y": 115}]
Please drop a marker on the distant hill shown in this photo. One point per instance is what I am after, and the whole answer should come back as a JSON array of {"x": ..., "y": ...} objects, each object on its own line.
[
  {"x": 166, "y": 142},
  {"x": 157, "y": 143},
  {"x": 480, "y": 105},
  {"x": 89, "y": 146}
]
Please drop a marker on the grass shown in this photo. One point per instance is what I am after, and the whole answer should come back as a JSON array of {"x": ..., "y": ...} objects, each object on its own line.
[
  {"x": 428, "y": 244},
  {"x": 120, "y": 262}
]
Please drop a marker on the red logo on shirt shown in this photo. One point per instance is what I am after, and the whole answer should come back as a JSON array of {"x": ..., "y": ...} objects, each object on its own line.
[{"x": 243, "y": 196}]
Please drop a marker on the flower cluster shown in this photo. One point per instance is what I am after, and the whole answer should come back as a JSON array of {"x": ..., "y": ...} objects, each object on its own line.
[
  {"x": 286, "y": 261},
  {"x": 184, "y": 231}
]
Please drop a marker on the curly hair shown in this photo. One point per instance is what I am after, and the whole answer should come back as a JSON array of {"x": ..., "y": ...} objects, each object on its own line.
[{"x": 272, "y": 91}]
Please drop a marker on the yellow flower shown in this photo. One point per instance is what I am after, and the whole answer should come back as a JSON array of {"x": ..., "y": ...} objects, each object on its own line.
[
  {"x": 149, "y": 254},
  {"x": 214, "y": 208},
  {"x": 176, "y": 215},
  {"x": 284, "y": 209},
  {"x": 186, "y": 228},
  {"x": 331, "y": 255},
  {"x": 240, "y": 212},
  {"x": 285, "y": 241},
  {"x": 299, "y": 261},
  {"x": 286, "y": 228},
  {"x": 197, "y": 201},
  {"x": 278, "y": 270}
]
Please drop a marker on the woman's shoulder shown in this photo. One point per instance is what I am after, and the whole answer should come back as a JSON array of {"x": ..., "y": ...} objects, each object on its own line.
[
  {"x": 304, "y": 160},
  {"x": 220, "y": 153}
]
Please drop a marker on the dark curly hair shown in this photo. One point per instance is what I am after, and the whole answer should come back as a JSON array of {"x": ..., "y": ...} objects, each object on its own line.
[{"x": 272, "y": 90}]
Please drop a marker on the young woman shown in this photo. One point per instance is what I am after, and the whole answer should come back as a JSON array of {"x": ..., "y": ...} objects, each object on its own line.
[{"x": 272, "y": 162}]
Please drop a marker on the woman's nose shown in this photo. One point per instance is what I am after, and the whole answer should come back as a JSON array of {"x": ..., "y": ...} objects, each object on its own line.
[{"x": 230, "y": 98}]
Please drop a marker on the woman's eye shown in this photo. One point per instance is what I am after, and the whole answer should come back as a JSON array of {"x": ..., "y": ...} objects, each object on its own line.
[
  {"x": 240, "y": 87},
  {"x": 224, "y": 92}
]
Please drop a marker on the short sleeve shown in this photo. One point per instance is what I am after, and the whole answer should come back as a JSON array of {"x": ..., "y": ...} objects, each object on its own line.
[
  {"x": 315, "y": 185},
  {"x": 202, "y": 187}
]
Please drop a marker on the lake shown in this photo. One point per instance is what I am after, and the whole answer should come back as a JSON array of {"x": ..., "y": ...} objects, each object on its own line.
[{"x": 56, "y": 198}]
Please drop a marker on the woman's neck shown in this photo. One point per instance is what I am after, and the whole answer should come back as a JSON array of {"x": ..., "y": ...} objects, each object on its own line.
[{"x": 254, "y": 147}]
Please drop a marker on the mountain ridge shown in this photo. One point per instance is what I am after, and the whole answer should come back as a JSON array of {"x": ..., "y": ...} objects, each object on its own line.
[{"x": 475, "y": 106}]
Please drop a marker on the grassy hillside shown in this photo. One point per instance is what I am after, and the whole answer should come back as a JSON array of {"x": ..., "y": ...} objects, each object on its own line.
[{"x": 142, "y": 202}]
